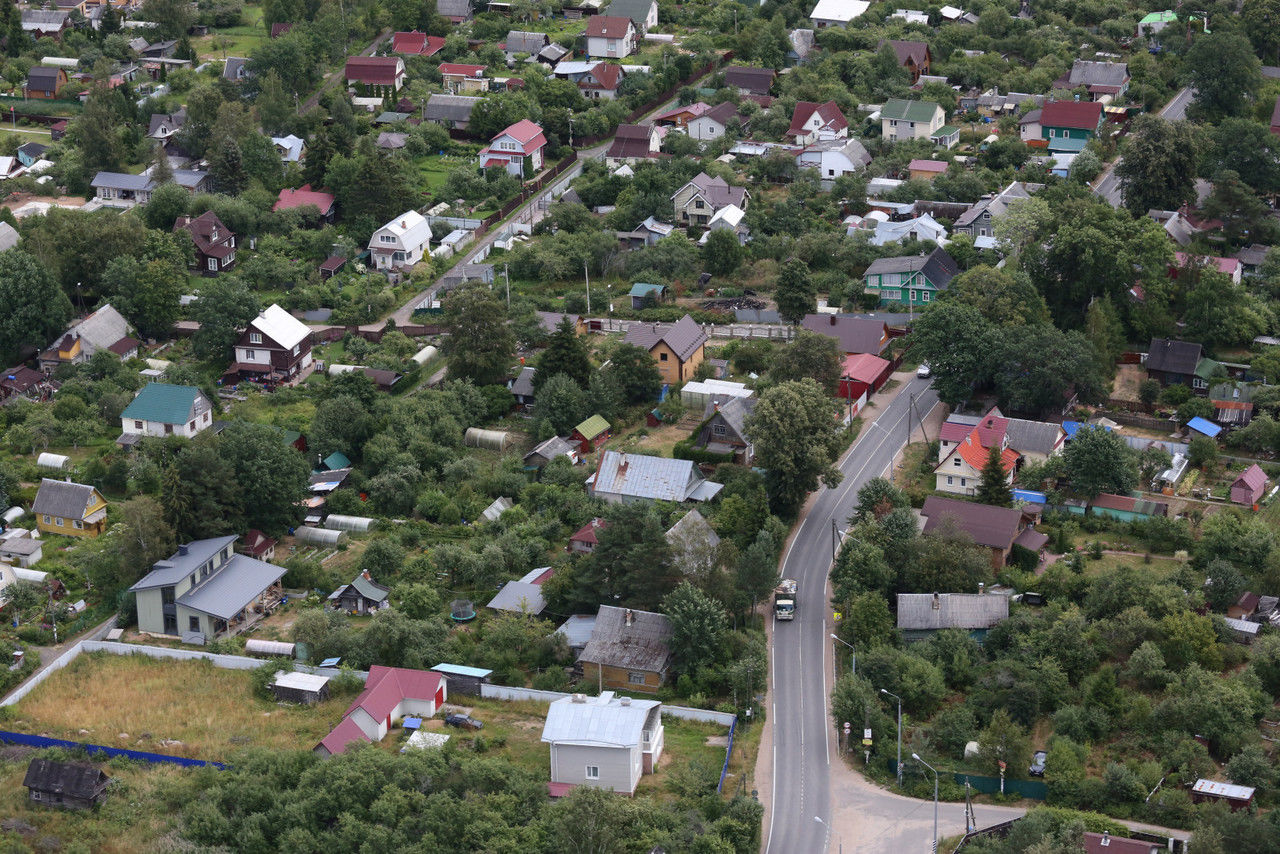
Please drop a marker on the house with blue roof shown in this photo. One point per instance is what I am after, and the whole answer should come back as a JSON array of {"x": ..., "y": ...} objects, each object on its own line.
[
  {"x": 641, "y": 291},
  {"x": 1204, "y": 427},
  {"x": 165, "y": 410}
]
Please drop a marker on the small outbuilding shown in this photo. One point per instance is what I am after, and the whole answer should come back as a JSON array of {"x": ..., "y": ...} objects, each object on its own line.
[
  {"x": 544, "y": 453},
  {"x": 642, "y": 291},
  {"x": 1249, "y": 487},
  {"x": 591, "y": 434},
  {"x": 362, "y": 596},
  {"x": 1236, "y": 797},
  {"x": 304, "y": 688},
  {"x": 65, "y": 785},
  {"x": 462, "y": 679}
]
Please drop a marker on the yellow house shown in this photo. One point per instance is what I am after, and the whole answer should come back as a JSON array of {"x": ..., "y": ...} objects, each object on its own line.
[
  {"x": 70, "y": 509},
  {"x": 677, "y": 348}
]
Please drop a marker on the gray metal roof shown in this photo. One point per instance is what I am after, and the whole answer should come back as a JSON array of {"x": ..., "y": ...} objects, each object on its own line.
[
  {"x": 692, "y": 526},
  {"x": 520, "y": 597},
  {"x": 232, "y": 587},
  {"x": 642, "y": 645},
  {"x": 1037, "y": 436},
  {"x": 454, "y": 108},
  {"x": 60, "y": 498},
  {"x": 19, "y": 546},
  {"x": 121, "y": 181},
  {"x": 552, "y": 448},
  {"x": 577, "y": 629},
  {"x": 495, "y": 510},
  {"x": 181, "y": 564},
  {"x": 522, "y": 42},
  {"x": 604, "y": 721},
  {"x": 641, "y": 476},
  {"x": 952, "y": 611}
]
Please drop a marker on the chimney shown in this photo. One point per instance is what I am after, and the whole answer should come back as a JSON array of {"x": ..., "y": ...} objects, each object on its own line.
[
  {"x": 982, "y": 588},
  {"x": 365, "y": 574},
  {"x": 182, "y": 549},
  {"x": 937, "y": 603},
  {"x": 403, "y": 224},
  {"x": 1106, "y": 839},
  {"x": 831, "y": 320},
  {"x": 629, "y": 617},
  {"x": 624, "y": 701},
  {"x": 622, "y": 466},
  {"x": 579, "y": 698}
]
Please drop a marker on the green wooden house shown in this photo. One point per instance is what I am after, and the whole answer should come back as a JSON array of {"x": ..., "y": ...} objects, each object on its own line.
[
  {"x": 913, "y": 280},
  {"x": 1069, "y": 125}
]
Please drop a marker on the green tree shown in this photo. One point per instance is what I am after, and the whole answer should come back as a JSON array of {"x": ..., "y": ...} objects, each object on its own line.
[
  {"x": 341, "y": 423},
  {"x": 272, "y": 477},
  {"x": 957, "y": 342},
  {"x": 632, "y": 562},
  {"x": 1040, "y": 367},
  {"x": 566, "y": 354},
  {"x": 1159, "y": 166},
  {"x": 173, "y": 17},
  {"x": 1262, "y": 25},
  {"x": 1247, "y": 148},
  {"x": 480, "y": 342},
  {"x": 168, "y": 202},
  {"x": 1225, "y": 73},
  {"x": 698, "y": 627},
  {"x": 722, "y": 254},
  {"x": 876, "y": 499},
  {"x": 794, "y": 291},
  {"x": 945, "y": 561},
  {"x": 226, "y": 305},
  {"x": 1252, "y": 767},
  {"x": 275, "y": 111},
  {"x": 866, "y": 621},
  {"x": 1098, "y": 461},
  {"x": 35, "y": 308},
  {"x": 199, "y": 493},
  {"x": 1004, "y": 741},
  {"x": 797, "y": 440},
  {"x": 636, "y": 374},
  {"x": 562, "y": 404},
  {"x": 1244, "y": 216},
  {"x": 809, "y": 355},
  {"x": 1003, "y": 298},
  {"x": 993, "y": 485},
  {"x": 96, "y": 132},
  {"x": 149, "y": 297},
  {"x": 143, "y": 538}
]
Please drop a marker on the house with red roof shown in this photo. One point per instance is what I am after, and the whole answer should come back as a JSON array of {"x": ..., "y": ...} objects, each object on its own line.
[
  {"x": 584, "y": 540},
  {"x": 960, "y": 470},
  {"x": 377, "y": 75},
  {"x": 613, "y": 36},
  {"x": 601, "y": 82},
  {"x": 462, "y": 78},
  {"x": 414, "y": 43},
  {"x": 390, "y": 694},
  {"x": 1069, "y": 125},
  {"x": 811, "y": 122},
  {"x": 518, "y": 149},
  {"x": 1229, "y": 267},
  {"x": 1249, "y": 487},
  {"x": 305, "y": 197},
  {"x": 862, "y": 375}
]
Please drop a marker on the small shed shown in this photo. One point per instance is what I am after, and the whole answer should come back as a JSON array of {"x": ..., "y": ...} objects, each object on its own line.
[
  {"x": 66, "y": 785},
  {"x": 490, "y": 440},
  {"x": 1249, "y": 487},
  {"x": 1204, "y": 426},
  {"x": 1243, "y": 631},
  {"x": 591, "y": 434},
  {"x": 269, "y": 648},
  {"x": 462, "y": 679},
  {"x": 362, "y": 596},
  {"x": 1236, "y": 797},
  {"x": 548, "y": 451},
  {"x": 304, "y": 688},
  {"x": 697, "y": 395},
  {"x": 55, "y": 462},
  {"x": 640, "y": 291}
]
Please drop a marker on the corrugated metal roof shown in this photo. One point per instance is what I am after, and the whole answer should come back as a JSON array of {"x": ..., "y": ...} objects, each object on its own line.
[
  {"x": 954, "y": 611},
  {"x": 577, "y": 629},
  {"x": 1246, "y": 627},
  {"x": 167, "y": 404},
  {"x": 602, "y": 721},
  {"x": 1201, "y": 425},
  {"x": 1223, "y": 790},
  {"x": 520, "y": 597},
  {"x": 462, "y": 670},
  {"x": 232, "y": 587},
  {"x": 180, "y": 564},
  {"x": 640, "y": 476},
  {"x": 301, "y": 681}
]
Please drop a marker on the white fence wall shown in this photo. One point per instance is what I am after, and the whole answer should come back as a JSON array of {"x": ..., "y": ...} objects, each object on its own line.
[{"x": 507, "y": 692}]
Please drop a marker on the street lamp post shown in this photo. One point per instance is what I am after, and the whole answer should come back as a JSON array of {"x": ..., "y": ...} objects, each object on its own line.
[
  {"x": 830, "y": 829},
  {"x": 853, "y": 653},
  {"x": 899, "y": 699},
  {"x": 917, "y": 758}
]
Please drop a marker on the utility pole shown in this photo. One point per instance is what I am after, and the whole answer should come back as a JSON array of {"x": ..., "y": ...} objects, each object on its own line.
[
  {"x": 587, "y": 277},
  {"x": 506, "y": 274}
]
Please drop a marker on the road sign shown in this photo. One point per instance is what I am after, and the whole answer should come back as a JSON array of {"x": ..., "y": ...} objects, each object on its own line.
[{"x": 866, "y": 733}]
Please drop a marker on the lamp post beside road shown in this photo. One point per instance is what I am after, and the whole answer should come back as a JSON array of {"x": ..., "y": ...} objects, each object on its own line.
[
  {"x": 899, "y": 699},
  {"x": 917, "y": 758}
]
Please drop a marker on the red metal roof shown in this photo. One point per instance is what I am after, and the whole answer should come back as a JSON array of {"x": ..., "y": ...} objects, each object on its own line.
[
  {"x": 387, "y": 686},
  {"x": 343, "y": 734},
  {"x": 461, "y": 69},
  {"x": 374, "y": 70},
  {"x": 607, "y": 77},
  {"x": 864, "y": 367},
  {"x": 302, "y": 197},
  {"x": 416, "y": 43},
  {"x": 1081, "y": 115},
  {"x": 608, "y": 27},
  {"x": 1253, "y": 477},
  {"x": 919, "y": 165},
  {"x": 587, "y": 533}
]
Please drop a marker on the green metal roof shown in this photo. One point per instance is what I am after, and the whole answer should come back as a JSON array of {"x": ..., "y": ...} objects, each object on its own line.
[
  {"x": 946, "y": 130},
  {"x": 910, "y": 111},
  {"x": 592, "y": 427},
  {"x": 337, "y": 460},
  {"x": 168, "y": 404},
  {"x": 1159, "y": 18},
  {"x": 1205, "y": 368},
  {"x": 640, "y": 289},
  {"x": 1067, "y": 144}
]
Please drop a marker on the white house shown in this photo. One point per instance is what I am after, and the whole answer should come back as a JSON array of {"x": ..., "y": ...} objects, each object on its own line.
[
  {"x": 901, "y": 119},
  {"x": 611, "y": 36},
  {"x": 713, "y": 123},
  {"x": 837, "y": 13},
  {"x": 518, "y": 149},
  {"x": 604, "y": 742},
  {"x": 812, "y": 122},
  {"x": 289, "y": 148},
  {"x": 165, "y": 410},
  {"x": 923, "y": 227},
  {"x": 834, "y": 158},
  {"x": 643, "y": 13},
  {"x": 401, "y": 242},
  {"x": 729, "y": 218}
]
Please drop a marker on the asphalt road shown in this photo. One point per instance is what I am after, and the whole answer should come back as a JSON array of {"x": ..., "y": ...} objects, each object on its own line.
[
  {"x": 1108, "y": 186},
  {"x": 802, "y": 728}
]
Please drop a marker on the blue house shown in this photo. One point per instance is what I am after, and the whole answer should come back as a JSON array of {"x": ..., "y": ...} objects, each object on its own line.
[{"x": 30, "y": 152}]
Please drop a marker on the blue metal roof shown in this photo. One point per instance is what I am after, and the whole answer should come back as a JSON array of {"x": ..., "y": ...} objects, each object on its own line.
[
  {"x": 1201, "y": 425},
  {"x": 1073, "y": 427},
  {"x": 461, "y": 670}
]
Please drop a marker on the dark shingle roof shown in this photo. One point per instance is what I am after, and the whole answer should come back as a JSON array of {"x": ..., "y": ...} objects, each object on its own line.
[
  {"x": 754, "y": 80},
  {"x": 939, "y": 267},
  {"x": 1175, "y": 357},
  {"x": 684, "y": 336},
  {"x": 994, "y": 527},
  {"x": 643, "y": 645}
]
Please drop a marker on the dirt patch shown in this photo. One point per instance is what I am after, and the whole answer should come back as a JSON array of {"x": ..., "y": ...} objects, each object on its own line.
[
  {"x": 1128, "y": 378},
  {"x": 717, "y": 741}
]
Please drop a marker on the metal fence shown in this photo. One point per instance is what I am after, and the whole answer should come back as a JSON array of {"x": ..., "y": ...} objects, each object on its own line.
[
  {"x": 40, "y": 741},
  {"x": 733, "y": 727},
  {"x": 1034, "y": 789}
]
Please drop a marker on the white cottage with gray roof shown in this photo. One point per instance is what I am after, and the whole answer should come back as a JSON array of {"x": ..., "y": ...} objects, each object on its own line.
[
  {"x": 205, "y": 590},
  {"x": 624, "y": 478},
  {"x": 605, "y": 742}
]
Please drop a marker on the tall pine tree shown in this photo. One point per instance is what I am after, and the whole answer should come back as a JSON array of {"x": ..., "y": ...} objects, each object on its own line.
[
  {"x": 565, "y": 354},
  {"x": 992, "y": 488}
]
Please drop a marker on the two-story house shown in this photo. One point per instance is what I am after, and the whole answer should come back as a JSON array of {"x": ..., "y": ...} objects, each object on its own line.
[
  {"x": 104, "y": 329},
  {"x": 725, "y": 432},
  {"x": 205, "y": 590},
  {"x": 979, "y": 219},
  {"x": 377, "y": 75},
  {"x": 698, "y": 200},
  {"x": 603, "y": 742},
  {"x": 460, "y": 77},
  {"x": 852, "y": 334},
  {"x": 960, "y": 471},
  {"x": 901, "y": 119},
  {"x": 913, "y": 56},
  {"x": 812, "y": 122},
  {"x": 913, "y": 280},
  {"x": 70, "y": 509},
  {"x": 518, "y": 149},
  {"x": 276, "y": 347},
  {"x": 44, "y": 82},
  {"x": 1069, "y": 125},
  {"x": 165, "y": 410},
  {"x": 677, "y": 348},
  {"x": 215, "y": 244},
  {"x": 400, "y": 243},
  {"x": 998, "y": 529},
  {"x": 611, "y": 36},
  {"x": 834, "y": 158},
  {"x": 601, "y": 82},
  {"x": 714, "y": 122}
]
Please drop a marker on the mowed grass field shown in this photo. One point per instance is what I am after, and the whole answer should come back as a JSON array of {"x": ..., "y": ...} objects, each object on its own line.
[{"x": 138, "y": 702}]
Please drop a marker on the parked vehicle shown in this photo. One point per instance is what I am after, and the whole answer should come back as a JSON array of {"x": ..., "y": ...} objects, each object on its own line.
[
  {"x": 1037, "y": 763},
  {"x": 463, "y": 722},
  {"x": 924, "y": 371}
]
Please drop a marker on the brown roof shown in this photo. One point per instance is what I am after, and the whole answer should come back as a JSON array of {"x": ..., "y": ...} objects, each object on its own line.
[
  {"x": 124, "y": 345},
  {"x": 994, "y": 527},
  {"x": 631, "y": 141},
  {"x": 1081, "y": 115},
  {"x": 1275, "y": 115},
  {"x": 757, "y": 81},
  {"x": 608, "y": 27},
  {"x": 684, "y": 337},
  {"x": 1098, "y": 843},
  {"x": 1253, "y": 477},
  {"x": 1248, "y": 602},
  {"x": 607, "y": 77},
  {"x": 203, "y": 229},
  {"x": 855, "y": 334},
  {"x": 917, "y": 52},
  {"x": 373, "y": 70}
]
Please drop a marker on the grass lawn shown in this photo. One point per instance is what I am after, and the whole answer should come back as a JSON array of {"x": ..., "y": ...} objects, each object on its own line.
[
  {"x": 211, "y": 711},
  {"x": 435, "y": 170},
  {"x": 233, "y": 41},
  {"x": 24, "y": 135}
]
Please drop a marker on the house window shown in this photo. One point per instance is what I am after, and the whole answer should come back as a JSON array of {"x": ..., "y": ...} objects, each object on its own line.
[
  {"x": 250, "y": 355},
  {"x": 635, "y": 677},
  {"x": 213, "y": 264},
  {"x": 255, "y": 337},
  {"x": 964, "y": 481},
  {"x": 191, "y": 426},
  {"x": 58, "y": 521},
  {"x": 206, "y": 418},
  {"x": 166, "y": 595},
  {"x": 718, "y": 429},
  {"x": 662, "y": 357},
  {"x": 1052, "y": 133},
  {"x": 168, "y": 429},
  {"x": 77, "y": 524},
  {"x": 956, "y": 462},
  {"x": 593, "y": 772},
  {"x": 697, "y": 203},
  {"x": 193, "y": 624},
  {"x": 950, "y": 480},
  {"x": 924, "y": 296},
  {"x": 47, "y": 520},
  {"x": 387, "y": 238},
  {"x": 295, "y": 349},
  {"x": 137, "y": 425}
]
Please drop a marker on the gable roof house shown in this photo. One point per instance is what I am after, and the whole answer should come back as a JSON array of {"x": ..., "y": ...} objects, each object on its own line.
[
  {"x": 702, "y": 196},
  {"x": 861, "y": 375},
  {"x": 304, "y": 197},
  {"x": 601, "y": 82},
  {"x": 461, "y": 77},
  {"x": 913, "y": 56},
  {"x": 629, "y": 649},
  {"x": 377, "y": 76},
  {"x": 1172, "y": 362},
  {"x": 837, "y": 13},
  {"x": 362, "y": 596},
  {"x": 69, "y": 509},
  {"x": 591, "y": 434},
  {"x": 912, "y": 279},
  {"x": 122, "y": 190},
  {"x": 45, "y": 23},
  {"x": 205, "y": 590},
  {"x": 456, "y": 11},
  {"x": 66, "y": 785},
  {"x": 960, "y": 469},
  {"x": 524, "y": 595},
  {"x": 677, "y": 348},
  {"x": 390, "y": 694},
  {"x": 1035, "y": 441},
  {"x": 165, "y": 410},
  {"x": 853, "y": 334},
  {"x": 979, "y": 219},
  {"x": 451, "y": 111},
  {"x": 518, "y": 149},
  {"x": 622, "y": 478},
  {"x": 275, "y": 347},
  {"x": 400, "y": 243},
  {"x": 725, "y": 432},
  {"x": 549, "y": 450},
  {"x": 104, "y": 329},
  {"x": 604, "y": 742},
  {"x": 519, "y": 42},
  {"x": 811, "y": 122},
  {"x": 414, "y": 43},
  {"x": 1232, "y": 403},
  {"x": 643, "y": 13},
  {"x": 610, "y": 36},
  {"x": 901, "y": 119},
  {"x": 996, "y": 528},
  {"x": 236, "y": 69},
  {"x": 748, "y": 80},
  {"x": 1249, "y": 487},
  {"x": 923, "y": 227},
  {"x": 21, "y": 381},
  {"x": 164, "y": 126},
  {"x": 215, "y": 244},
  {"x": 586, "y": 538},
  {"x": 922, "y": 614},
  {"x": 44, "y": 82},
  {"x": 1105, "y": 81},
  {"x": 714, "y": 121},
  {"x": 633, "y": 143},
  {"x": 834, "y": 158},
  {"x": 1068, "y": 125}
]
